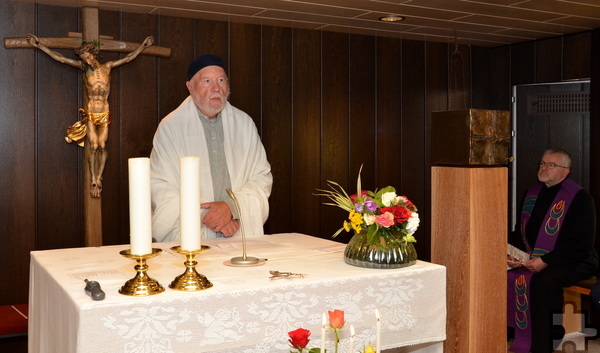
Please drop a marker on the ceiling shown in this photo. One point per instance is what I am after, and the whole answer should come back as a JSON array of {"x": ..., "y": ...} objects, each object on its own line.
[{"x": 486, "y": 23}]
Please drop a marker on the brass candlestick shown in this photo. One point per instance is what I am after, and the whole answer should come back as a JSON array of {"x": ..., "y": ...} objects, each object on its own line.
[
  {"x": 141, "y": 285},
  {"x": 190, "y": 280}
]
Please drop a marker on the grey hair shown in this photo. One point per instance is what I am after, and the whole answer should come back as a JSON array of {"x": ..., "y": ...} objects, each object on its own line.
[{"x": 565, "y": 155}]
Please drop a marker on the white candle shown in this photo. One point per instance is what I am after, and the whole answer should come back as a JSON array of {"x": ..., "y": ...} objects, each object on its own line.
[
  {"x": 189, "y": 214},
  {"x": 140, "y": 210},
  {"x": 323, "y": 333},
  {"x": 378, "y": 332},
  {"x": 352, "y": 335}
]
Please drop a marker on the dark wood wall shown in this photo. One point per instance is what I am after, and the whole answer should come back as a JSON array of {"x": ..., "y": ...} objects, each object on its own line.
[{"x": 324, "y": 104}]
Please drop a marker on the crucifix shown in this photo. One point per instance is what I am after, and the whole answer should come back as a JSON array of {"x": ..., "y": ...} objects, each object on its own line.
[{"x": 91, "y": 131}]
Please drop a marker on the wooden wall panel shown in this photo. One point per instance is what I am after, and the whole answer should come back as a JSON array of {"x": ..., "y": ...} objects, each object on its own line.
[
  {"x": 500, "y": 89},
  {"x": 212, "y": 37},
  {"x": 177, "y": 34},
  {"x": 363, "y": 121},
  {"x": 436, "y": 83},
  {"x": 244, "y": 73},
  {"x": 306, "y": 125},
  {"x": 412, "y": 142},
  {"x": 548, "y": 60},
  {"x": 17, "y": 151},
  {"x": 459, "y": 77},
  {"x": 522, "y": 63},
  {"x": 139, "y": 108},
  {"x": 389, "y": 103},
  {"x": 595, "y": 126},
  {"x": 58, "y": 163},
  {"x": 481, "y": 78},
  {"x": 277, "y": 122},
  {"x": 577, "y": 56},
  {"x": 335, "y": 124}
]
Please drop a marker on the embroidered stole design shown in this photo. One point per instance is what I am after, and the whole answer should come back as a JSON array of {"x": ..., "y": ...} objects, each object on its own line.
[{"x": 519, "y": 280}]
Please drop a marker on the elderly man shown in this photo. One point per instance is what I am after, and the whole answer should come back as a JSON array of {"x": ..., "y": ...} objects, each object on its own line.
[
  {"x": 557, "y": 229},
  {"x": 231, "y": 156}
]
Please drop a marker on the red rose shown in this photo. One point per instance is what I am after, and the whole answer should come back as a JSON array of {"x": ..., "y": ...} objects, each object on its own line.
[
  {"x": 363, "y": 194},
  {"x": 336, "y": 318},
  {"x": 299, "y": 338},
  {"x": 401, "y": 214}
]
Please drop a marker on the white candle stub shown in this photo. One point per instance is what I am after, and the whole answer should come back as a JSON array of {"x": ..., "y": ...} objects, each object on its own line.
[
  {"x": 140, "y": 209},
  {"x": 189, "y": 214}
]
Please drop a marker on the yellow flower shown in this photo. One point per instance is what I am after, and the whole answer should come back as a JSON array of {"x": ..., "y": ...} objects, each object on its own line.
[
  {"x": 369, "y": 349},
  {"x": 355, "y": 217},
  {"x": 346, "y": 226}
]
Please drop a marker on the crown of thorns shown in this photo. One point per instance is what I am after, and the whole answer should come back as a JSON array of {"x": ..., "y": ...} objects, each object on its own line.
[{"x": 92, "y": 47}]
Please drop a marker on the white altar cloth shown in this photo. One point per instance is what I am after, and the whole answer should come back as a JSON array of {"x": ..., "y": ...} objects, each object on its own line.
[{"x": 244, "y": 311}]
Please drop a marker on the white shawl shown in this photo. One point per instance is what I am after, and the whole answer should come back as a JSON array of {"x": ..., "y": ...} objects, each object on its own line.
[{"x": 181, "y": 134}]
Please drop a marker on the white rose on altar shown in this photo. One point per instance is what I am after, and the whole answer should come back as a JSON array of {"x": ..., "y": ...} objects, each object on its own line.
[{"x": 413, "y": 223}]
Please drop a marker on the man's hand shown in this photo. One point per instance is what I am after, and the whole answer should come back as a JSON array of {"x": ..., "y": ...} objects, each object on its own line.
[
  {"x": 218, "y": 215},
  {"x": 230, "y": 228},
  {"x": 513, "y": 263},
  {"x": 535, "y": 265}
]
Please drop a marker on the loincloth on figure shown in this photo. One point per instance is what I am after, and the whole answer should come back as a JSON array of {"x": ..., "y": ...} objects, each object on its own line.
[{"x": 76, "y": 132}]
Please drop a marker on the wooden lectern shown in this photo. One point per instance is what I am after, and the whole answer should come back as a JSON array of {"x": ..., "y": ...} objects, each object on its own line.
[{"x": 469, "y": 222}]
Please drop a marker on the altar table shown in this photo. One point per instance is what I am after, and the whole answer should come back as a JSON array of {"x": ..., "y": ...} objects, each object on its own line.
[{"x": 244, "y": 311}]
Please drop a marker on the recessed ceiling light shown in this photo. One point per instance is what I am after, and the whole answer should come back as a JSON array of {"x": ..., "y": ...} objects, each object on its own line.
[{"x": 391, "y": 18}]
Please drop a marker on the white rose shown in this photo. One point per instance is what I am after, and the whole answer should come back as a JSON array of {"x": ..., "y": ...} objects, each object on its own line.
[
  {"x": 388, "y": 198},
  {"x": 413, "y": 223},
  {"x": 369, "y": 219}
]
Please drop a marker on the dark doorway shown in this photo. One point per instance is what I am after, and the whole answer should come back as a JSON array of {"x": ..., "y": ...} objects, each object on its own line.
[{"x": 549, "y": 116}]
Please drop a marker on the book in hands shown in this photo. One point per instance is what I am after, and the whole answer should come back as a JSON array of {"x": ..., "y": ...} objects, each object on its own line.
[{"x": 517, "y": 254}]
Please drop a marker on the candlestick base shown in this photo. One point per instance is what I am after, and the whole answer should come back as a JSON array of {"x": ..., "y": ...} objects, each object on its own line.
[
  {"x": 141, "y": 285},
  {"x": 190, "y": 280}
]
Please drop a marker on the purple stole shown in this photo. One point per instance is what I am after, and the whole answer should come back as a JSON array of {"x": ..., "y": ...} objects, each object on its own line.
[{"x": 518, "y": 280}]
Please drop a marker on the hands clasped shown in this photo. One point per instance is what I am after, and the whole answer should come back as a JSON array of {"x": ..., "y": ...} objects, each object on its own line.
[
  {"x": 219, "y": 218},
  {"x": 533, "y": 265}
]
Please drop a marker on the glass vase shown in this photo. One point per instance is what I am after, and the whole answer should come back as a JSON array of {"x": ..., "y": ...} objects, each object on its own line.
[{"x": 392, "y": 252}]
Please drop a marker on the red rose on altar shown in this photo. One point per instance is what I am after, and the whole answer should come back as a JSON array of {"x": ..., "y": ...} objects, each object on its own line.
[
  {"x": 336, "y": 318},
  {"x": 401, "y": 214},
  {"x": 363, "y": 193},
  {"x": 299, "y": 338}
]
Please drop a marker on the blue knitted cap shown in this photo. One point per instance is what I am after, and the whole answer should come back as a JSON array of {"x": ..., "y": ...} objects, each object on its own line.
[{"x": 202, "y": 62}]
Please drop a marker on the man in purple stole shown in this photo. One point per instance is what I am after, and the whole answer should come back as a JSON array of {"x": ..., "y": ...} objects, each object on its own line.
[{"x": 558, "y": 228}]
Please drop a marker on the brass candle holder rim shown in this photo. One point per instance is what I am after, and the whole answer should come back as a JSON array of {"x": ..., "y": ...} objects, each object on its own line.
[
  {"x": 202, "y": 249},
  {"x": 127, "y": 253}
]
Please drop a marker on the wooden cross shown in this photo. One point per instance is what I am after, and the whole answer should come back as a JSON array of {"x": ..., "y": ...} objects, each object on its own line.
[{"x": 92, "y": 205}]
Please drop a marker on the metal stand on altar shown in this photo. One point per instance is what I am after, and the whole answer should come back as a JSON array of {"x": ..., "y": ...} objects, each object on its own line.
[{"x": 244, "y": 260}]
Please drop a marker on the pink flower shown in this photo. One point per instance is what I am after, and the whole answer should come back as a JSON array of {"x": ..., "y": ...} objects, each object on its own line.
[
  {"x": 385, "y": 220},
  {"x": 336, "y": 318}
]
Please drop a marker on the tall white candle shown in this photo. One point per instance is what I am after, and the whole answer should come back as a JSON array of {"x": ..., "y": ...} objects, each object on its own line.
[
  {"x": 323, "y": 333},
  {"x": 352, "y": 335},
  {"x": 140, "y": 210},
  {"x": 189, "y": 214},
  {"x": 378, "y": 332}
]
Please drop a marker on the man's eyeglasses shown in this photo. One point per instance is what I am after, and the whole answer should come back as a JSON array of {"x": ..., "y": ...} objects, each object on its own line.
[{"x": 550, "y": 165}]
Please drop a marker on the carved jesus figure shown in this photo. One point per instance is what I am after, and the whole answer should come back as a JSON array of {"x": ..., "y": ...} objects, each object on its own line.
[{"x": 96, "y": 115}]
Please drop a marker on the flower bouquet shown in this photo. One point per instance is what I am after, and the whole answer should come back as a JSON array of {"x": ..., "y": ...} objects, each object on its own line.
[
  {"x": 383, "y": 223},
  {"x": 300, "y": 338}
]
